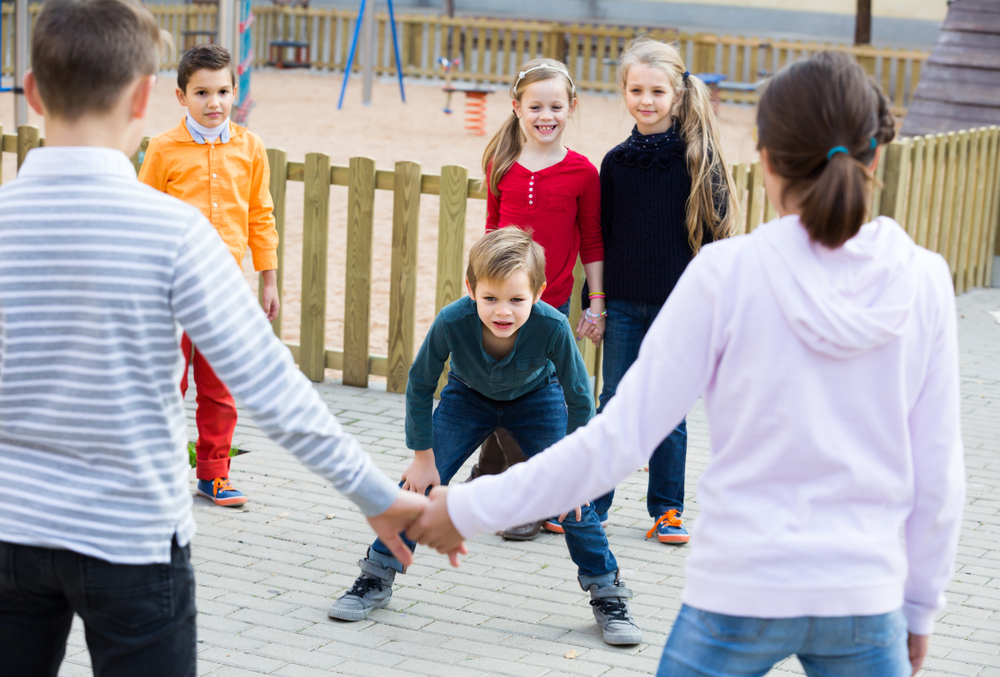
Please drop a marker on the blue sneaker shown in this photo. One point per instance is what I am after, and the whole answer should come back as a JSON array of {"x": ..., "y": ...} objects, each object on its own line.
[
  {"x": 555, "y": 527},
  {"x": 221, "y": 491},
  {"x": 669, "y": 528}
]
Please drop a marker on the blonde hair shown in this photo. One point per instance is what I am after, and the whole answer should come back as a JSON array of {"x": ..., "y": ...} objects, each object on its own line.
[
  {"x": 712, "y": 183},
  {"x": 501, "y": 253},
  {"x": 504, "y": 148}
]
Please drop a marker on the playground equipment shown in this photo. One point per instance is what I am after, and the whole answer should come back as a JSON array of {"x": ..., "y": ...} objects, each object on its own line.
[
  {"x": 475, "y": 98},
  {"x": 368, "y": 66},
  {"x": 244, "y": 64}
]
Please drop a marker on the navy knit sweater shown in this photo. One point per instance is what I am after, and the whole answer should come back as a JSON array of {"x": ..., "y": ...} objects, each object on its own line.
[{"x": 645, "y": 185}]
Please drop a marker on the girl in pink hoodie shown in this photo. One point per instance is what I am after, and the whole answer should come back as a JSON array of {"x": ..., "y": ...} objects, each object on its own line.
[{"x": 826, "y": 352}]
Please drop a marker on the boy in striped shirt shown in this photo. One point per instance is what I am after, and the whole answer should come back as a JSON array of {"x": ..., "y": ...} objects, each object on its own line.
[{"x": 99, "y": 275}]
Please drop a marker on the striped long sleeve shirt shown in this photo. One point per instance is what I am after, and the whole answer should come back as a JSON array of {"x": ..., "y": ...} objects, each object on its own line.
[{"x": 99, "y": 277}]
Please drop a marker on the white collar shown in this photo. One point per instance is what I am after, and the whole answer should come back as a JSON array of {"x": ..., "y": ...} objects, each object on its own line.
[
  {"x": 91, "y": 161},
  {"x": 203, "y": 134}
]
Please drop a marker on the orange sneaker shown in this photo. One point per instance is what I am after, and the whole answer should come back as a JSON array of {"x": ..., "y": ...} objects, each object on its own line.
[
  {"x": 669, "y": 529},
  {"x": 221, "y": 491}
]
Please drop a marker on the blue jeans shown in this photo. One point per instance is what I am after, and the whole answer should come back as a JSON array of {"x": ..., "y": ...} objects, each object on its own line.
[
  {"x": 139, "y": 619},
  {"x": 536, "y": 421},
  {"x": 704, "y": 644},
  {"x": 627, "y": 324}
]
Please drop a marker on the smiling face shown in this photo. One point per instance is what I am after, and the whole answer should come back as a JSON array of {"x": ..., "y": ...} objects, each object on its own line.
[
  {"x": 650, "y": 97},
  {"x": 544, "y": 108},
  {"x": 504, "y": 307},
  {"x": 209, "y": 96}
]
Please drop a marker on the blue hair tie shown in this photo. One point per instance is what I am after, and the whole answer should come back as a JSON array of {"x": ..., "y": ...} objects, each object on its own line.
[
  {"x": 835, "y": 150},
  {"x": 685, "y": 76},
  {"x": 874, "y": 143}
]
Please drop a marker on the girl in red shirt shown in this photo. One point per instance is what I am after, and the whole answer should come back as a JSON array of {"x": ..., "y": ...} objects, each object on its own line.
[{"x": 537, "y": 184}]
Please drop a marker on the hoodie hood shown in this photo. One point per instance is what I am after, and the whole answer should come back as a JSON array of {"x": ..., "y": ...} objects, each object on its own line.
[{"x": 846, "y": 301}]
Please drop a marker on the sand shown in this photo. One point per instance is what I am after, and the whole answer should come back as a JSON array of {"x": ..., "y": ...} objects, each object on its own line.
[{"x": 297, "y": 111}]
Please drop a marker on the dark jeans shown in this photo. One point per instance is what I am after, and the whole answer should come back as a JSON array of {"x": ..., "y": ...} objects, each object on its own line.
[
  {"x": 139, "y": 619},
  {"x": 536, "y": 421},
  {"x": 627, "y": 324}
]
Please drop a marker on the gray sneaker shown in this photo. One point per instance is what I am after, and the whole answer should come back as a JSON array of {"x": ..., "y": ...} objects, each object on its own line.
[
  {"x": 612, "y": 614},
  {"x": 372, "y": 590}
]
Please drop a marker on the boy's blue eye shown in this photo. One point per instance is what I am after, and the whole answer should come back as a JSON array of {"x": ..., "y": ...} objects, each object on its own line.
[{"x": 489, "y": 298}]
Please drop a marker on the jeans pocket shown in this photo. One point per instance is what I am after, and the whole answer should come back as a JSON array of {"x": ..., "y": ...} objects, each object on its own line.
[
  {"x": 128, "y": 598},
  {"x": 733, "y": 628},
  {"x": 881, "y": 630},
  {"x": 9, "y": 591}
]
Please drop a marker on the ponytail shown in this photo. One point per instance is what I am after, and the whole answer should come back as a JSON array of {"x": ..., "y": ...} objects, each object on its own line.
[
  {"x": 821, "y": 120},
  {"x": 502, "y": 152},
  {"x": 712, "y": 203}
]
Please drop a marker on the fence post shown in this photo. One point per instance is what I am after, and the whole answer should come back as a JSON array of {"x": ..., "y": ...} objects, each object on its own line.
[
  {"x": 704, "y": 53},
  {"x": 277, "y": 160},
  {"x": 976, "y": 209},
  {"x": 989, "y": 218},
  {"x": 993, "y": 242},
  {"x": 451, "y": 241},
  {"x": 915, "y": 181},
  {"x": 358, "y": 283},
  {"x": 27, "y": 138},
  {"x": 897, "y": 169},
  {"x": 958, "y": 213},
  {"x": 755, "y": 196},
  {"x": 947, "y": 204},
  {"x": 403, "y": 274},
  {"x": 922, "y": 207},
  {"x": 315, "y": 231}
]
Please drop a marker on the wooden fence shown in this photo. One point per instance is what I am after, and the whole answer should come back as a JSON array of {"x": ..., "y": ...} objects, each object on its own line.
[
  {"x": 944, "y": 189},
  {"x": 491, "y": 50}
]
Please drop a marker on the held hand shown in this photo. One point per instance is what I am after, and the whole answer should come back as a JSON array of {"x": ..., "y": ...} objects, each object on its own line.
[
  {"x": 918, "y": 645},
  {"x": 400, "y": 515},
  {"x": 270, "y": 302},
  {"x": 421, "y": 473},
  {"x": 434, "y": 528},
  {"x": 579, "y": 514}
]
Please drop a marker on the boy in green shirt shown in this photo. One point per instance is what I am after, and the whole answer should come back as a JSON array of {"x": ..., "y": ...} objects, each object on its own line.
[{"x": 514, "y": 365}]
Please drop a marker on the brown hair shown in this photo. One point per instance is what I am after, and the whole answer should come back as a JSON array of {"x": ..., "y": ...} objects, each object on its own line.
[
  {"x": 211, "y": 57},
  {"x": 504, "y": 148},
  {"x": 85, "y": 52},
  {"x": 809, "y": 110},
  {"x": 501, "y": 253},
  {"x": 712, "y": 203}
]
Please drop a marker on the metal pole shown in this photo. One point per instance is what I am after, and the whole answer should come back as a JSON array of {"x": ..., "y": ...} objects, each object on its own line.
[
  {"x": 368, "y": 51},
  {"x": 21, "y": 46},
  {"x": 226, "y": 19}
]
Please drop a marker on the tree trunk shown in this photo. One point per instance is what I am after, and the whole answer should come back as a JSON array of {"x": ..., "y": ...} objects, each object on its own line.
[{"x": 863, "y": 23}]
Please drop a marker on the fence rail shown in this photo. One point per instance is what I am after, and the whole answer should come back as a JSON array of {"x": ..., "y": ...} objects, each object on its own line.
[
  {"x": 490, "y": 50},
  {"x": 944, "y": 189}
]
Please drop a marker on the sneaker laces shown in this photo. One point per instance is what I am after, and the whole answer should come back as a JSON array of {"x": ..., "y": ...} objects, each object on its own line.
[
  {"x": 220, "y": 484},
  {"x": 670, "y": 517},
  {"x": 614, "y": 608},
  {"x": 363, "y": 585}
]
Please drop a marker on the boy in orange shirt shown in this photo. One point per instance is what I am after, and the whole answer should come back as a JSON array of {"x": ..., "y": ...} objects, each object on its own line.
[{"x": 221, "y": 168}]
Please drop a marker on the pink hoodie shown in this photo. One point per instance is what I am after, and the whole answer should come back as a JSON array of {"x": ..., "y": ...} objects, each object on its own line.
[{"x": 830, "y": 380}]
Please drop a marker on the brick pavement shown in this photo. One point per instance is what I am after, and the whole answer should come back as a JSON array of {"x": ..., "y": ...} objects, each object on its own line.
[{"x": 267, "y": 574}]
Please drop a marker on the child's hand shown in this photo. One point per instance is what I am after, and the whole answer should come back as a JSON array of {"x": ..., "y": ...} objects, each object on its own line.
[
  {"x": 435, "y": 528},
  {"x": 579, "y": 514},
  {"x": 270, "y": 302},
  {"x": 592, "y": 330},
  {"x": 421, "y": 473},
  {"x": 400, "y": 516}
]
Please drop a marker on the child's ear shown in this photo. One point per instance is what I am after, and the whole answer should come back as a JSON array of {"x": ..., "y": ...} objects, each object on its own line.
[
  {"x": 181, "y": 99},
  {"x": 538, "y": 296},
  {"x": 572, "y": 106},
  {"x": 468, "y": 288},
  {"x": 517, "y": 108},
  {"x": 32, "y": 94}
]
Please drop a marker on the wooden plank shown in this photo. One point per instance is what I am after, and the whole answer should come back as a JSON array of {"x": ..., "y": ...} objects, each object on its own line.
[
  {"x": 989, "y": 219},
  {"x": 921, "y": 206},
  {"x": 741, "y": 173},
  {"x": 897, "y": 169},
  {"x": 28, "y": 137},
  {"x": 978, "y": 203},
  {"x": 140, "y": 154},
  {"x": 971, "y": 139},
  {"x": 358, "y": 283},
  {"x": 755, "y": 196},
  {"x": 277, "y": 160},
  {"x": 876, "y": 194},
  {"x": 1, "y": 126},
  {"x": 403, "y": 273},
  {"x": 994, "y": 239},
  {"x": 451, "y": 242},
  {"x": 987, "y": 59},
  {"x": 958, "y": 92},
  {"x": 948, "y": 197},
  {"x": 971, "y": 22},
  {"x": 10, "y": 143},
  {"x": 915, "y": 182},
  {"x": 958, "y": 203},
  {"x": 315, "y": 232}
]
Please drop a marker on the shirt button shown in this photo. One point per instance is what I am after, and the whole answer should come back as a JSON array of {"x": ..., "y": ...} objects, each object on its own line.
[
  {"x": 214, "y": 175},
  {"x": 215, "y": 204},
  {"x": 530, "y": 202}
]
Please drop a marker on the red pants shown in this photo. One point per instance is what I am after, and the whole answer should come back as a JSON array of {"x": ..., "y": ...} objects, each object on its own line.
[{"x": 215, "y": 415}]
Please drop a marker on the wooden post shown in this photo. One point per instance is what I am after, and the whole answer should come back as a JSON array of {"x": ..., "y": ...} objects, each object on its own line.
[
  {"x": 915, "y": 181},
  {"x": 947, "y": 205},
  {"x": 403, "y": 275},
  {"x": 863, "y": 23},
  {"x": 451, "y": 241},
  {"x": 897, "y": 169},
  {"x": 358, "y": 284},
  {"x": 957, "y": 214},
  {"x": 989, "y": 218},
  {"x": 28, "y": 137},
  {"x": 937, "y": 199},
  {"x": 315, "y": 232},
  {"x": 968, "y": 211},
  {"x": 277, "y": 161},
  {"x": 975, "y": 219},
  {"x": 922, "y": 208},
  {"x": 755, "y": 196},
  {"x": 993, "y": 243}
]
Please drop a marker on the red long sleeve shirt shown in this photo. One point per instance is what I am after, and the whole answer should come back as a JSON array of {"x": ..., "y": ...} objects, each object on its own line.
[{"x": 561, "y": 204}]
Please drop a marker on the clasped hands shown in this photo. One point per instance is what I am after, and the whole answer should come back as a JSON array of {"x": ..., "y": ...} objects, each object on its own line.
[{"x": 424, "y": 518}]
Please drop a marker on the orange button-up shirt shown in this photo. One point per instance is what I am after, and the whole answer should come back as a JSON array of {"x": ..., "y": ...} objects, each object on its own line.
[{"x": 228, "y": 182}]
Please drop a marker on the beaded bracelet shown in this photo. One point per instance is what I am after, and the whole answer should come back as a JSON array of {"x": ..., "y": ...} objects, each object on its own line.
[{"x": 592, "y": 318}]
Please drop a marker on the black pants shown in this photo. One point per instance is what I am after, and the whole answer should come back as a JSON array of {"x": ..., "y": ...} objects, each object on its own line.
[{"x": 139, "y": 619}]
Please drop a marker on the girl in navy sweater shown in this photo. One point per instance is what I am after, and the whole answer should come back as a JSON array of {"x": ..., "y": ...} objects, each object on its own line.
[{"x": 665, "y": 192}]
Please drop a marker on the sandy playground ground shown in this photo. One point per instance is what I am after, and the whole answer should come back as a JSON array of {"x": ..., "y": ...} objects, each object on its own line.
[{"x": 297, "y": 111}]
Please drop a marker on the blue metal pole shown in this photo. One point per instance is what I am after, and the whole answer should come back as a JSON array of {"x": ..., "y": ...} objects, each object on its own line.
[
  {"x": 350, "y": 57},
  {"x": 395, "y": 45}
]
